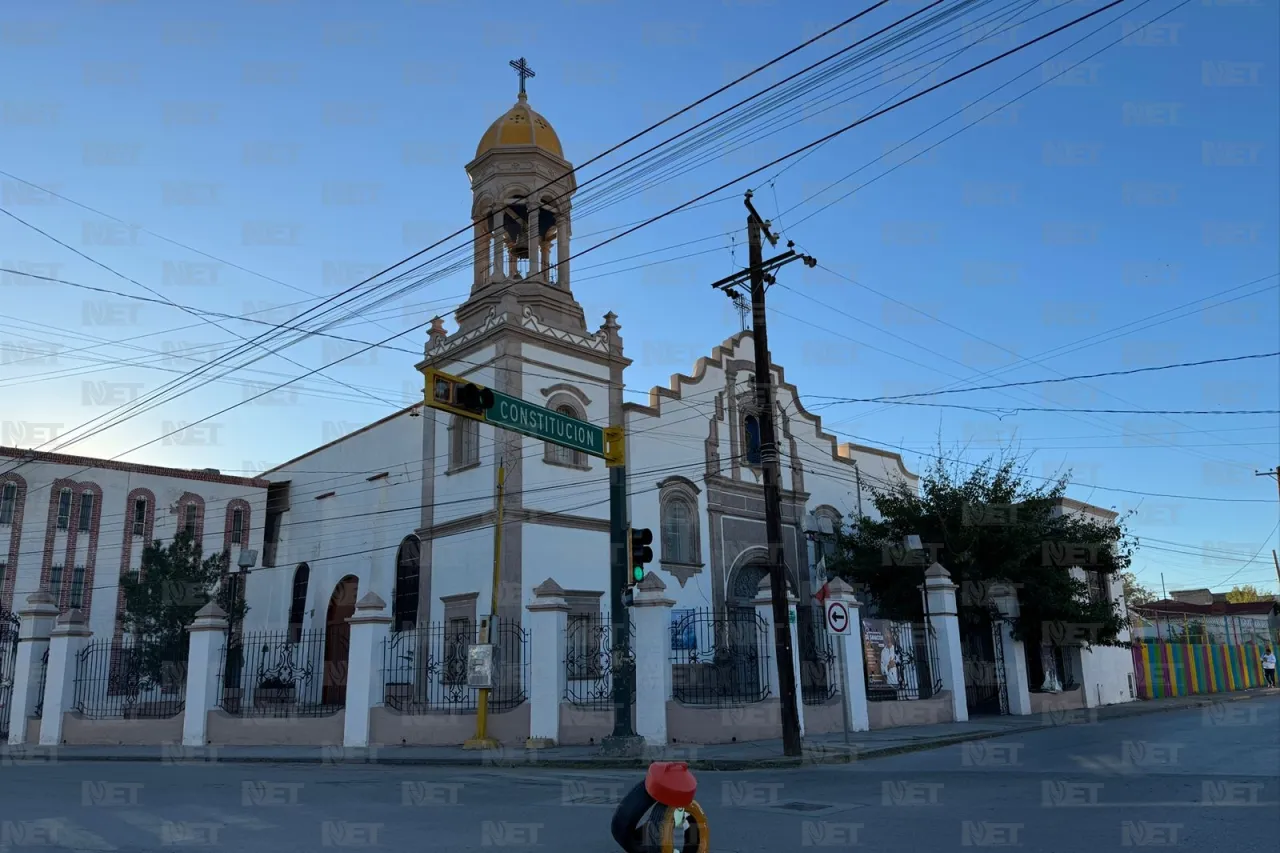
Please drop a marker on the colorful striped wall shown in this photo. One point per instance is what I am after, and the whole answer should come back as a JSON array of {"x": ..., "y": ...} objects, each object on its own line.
[{"x": 1163, "y": 670}]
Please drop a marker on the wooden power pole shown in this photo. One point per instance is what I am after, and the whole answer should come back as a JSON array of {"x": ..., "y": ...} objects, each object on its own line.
[{"x": 757, "y": 274}]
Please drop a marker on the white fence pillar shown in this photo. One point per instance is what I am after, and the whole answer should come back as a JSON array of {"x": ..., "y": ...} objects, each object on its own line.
[
  {"x": 36, "y": 624},
  {"x": 940, "y": 600},
  {"x": 364, "y": 674},
  {"x": 70, "y": 636},
  {"x": 853, "y": 666},
  {"x": 1017, "y": 683},
  {"x": 208, "y": 635},
  {"x": 653, "y": 652},
  {"x": 548, "y": 624},
  {"x": 764, "y": 607}
]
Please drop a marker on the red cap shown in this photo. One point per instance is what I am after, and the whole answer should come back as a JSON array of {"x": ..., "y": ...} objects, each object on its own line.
[{"x": 670, "y": 783}]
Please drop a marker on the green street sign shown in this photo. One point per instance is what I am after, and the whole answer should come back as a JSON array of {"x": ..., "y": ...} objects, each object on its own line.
[{"x": 540, "y": 422}]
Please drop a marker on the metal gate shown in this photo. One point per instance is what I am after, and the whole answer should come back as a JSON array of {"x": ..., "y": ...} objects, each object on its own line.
[
  {"x": 986, "y": 690},
  {"x": 8, "y": 662}
]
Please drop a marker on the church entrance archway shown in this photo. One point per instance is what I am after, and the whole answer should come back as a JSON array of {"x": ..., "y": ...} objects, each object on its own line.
[{"x": 337, "y": 640}]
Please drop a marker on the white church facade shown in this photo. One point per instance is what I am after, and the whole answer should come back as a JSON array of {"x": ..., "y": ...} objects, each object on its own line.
[{"x": 523, "y": 333}]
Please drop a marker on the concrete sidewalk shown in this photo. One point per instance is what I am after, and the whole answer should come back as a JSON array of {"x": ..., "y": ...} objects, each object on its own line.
[{"x": 819, "y": 749}]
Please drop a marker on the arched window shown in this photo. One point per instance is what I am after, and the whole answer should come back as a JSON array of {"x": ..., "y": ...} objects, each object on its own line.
[
  {"x": 298, "y": 603},
  {"x": 557, "y": 455},
  {"x": 828, "y": 531},
  {"x": 464, "y": 443},
  {"x": 751, "y": 440},
  {"x": 405, "y": 596},
  {"x": 681, "y": 545},
  {"x": 678, "y": 532}
]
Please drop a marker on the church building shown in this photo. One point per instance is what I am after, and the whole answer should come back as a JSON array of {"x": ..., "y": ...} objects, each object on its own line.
[{"x": 417, "y": 524}]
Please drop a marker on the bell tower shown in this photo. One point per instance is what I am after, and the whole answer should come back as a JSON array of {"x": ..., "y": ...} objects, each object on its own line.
[{"x": 522, "y": 189}]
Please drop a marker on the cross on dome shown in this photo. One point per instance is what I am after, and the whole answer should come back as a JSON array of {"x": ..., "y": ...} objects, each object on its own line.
[{"x": 522, "y": 68}]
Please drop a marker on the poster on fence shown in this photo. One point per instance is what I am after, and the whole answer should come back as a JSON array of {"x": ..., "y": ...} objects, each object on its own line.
[{"x": 874, "y": 632}]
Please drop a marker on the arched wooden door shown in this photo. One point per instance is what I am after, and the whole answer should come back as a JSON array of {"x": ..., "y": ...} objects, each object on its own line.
[{"x": 337, "y": 640}]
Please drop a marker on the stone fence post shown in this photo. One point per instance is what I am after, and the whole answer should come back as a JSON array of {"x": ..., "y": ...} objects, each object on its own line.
[
  {"x": 853, "y": 665},
  {"x": 940, "y": 598},
  {"x": 69, "y": 638},
  {"x": 548, "y": 626},
  {"x": 208, "y": 636},
  {"x": 36, "y": 624},
  {"x": 652, "y": 611},
  {"x": 364, "y": 674}
]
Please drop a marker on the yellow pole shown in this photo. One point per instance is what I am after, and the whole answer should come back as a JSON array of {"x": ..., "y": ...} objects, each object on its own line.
[{"x": 482, "y": 739}]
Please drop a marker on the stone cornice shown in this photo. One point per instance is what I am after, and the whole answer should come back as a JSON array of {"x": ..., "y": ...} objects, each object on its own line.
[{"x": 529, "y": 328}]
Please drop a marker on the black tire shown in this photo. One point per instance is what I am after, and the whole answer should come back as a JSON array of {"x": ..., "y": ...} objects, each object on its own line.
[{"x": 626, "y": 826}]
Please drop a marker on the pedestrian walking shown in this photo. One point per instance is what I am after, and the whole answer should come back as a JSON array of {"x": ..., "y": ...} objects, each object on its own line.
[{"x": 1269, "y": 667}]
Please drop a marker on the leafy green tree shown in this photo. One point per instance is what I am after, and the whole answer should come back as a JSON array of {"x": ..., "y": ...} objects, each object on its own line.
[
  {"x": 994, "y": 531},
  {"x": 1134, "y": 591},
  {"x": 161, "y": 600},
  {"x": 1246, "y": 593}
]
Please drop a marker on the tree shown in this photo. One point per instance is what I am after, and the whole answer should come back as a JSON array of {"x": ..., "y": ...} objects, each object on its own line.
[
  {"x": 1134, "y": 591},
  {"x": 1245, "y": 593},
  {"x": 992, "y": 530},
  {"x": 161, "y": 601}
]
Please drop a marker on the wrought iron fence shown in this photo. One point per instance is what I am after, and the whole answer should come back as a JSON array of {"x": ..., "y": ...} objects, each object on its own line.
[
  {"x": 424, "y": 669},
  {"x": 275, "y": 674},
  {"x": 44, "y": 679},
  {"x": 719, "y": 659},
  {"x": 126, "y": 680},
  {"x": 817, "y": 656},
  {"x": 9, "y": 625},
  {"x": 902, "y": 663},
  {"x": 592, "y": 655}
]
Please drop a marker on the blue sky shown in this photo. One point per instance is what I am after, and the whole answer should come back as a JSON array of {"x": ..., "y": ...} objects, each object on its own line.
[{"x": 1142, "y": 180}]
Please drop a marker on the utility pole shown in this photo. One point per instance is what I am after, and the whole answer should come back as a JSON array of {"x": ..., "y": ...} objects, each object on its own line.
[
  {"x": 757, "y": 274},
  {"x": 1276, "y": 474},
  {"x": 623, "y": 741}
]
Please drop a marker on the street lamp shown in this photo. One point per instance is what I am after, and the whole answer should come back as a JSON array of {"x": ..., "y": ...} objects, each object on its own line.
[{"x": 244, "y": 564}]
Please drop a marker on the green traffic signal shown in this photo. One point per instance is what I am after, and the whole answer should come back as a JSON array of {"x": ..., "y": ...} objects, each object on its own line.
[{"x": 637, "y": 574}]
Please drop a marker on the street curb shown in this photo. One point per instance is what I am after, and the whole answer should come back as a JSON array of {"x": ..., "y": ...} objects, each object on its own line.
[{"x": 826, "y": 756}]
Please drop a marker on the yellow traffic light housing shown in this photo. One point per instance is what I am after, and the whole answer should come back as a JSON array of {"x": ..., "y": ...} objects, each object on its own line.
[
  {"x": 456, "y": 395},
  {"x": 615, "y": 447}
]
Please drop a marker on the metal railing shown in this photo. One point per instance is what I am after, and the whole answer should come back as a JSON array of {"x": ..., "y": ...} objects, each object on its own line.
[
  {"x": 818, "y": 680},
  {"x": 902, "y": 662},
  {"x": 125, "y": 680},
  {"x": 591, "y": 658},
  {"x": 274, "y": 674},
  {"x": 44, "y": 679},
  {"x": 719, "y": 659},
  {"x": 424, "y": 669}
]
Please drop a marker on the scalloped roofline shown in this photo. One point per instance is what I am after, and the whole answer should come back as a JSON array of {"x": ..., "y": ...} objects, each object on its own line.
[{"x": 842, "y": 452}]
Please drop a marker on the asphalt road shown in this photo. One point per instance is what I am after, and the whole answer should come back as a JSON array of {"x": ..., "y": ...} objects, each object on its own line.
[{"x": 1204, "y": 780}]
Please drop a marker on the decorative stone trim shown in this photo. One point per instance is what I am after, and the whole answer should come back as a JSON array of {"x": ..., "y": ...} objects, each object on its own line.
[
  {"x": 15, "y": 538},
  {"x": 565, "y": 388},
  {"x": 191, "y": 499},
  {"x": 245, "y": 527},
  {"x": 111, "y": 465},
  {"x": 126, "y": 548},
  {"x": 683, "y": 490}
]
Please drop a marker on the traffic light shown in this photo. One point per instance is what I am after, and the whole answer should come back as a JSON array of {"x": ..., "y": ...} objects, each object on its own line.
[
  {"x": 454, "y": 394},
  {"x": 638, "y": 542},
  {"x": 475, "y": 399}
]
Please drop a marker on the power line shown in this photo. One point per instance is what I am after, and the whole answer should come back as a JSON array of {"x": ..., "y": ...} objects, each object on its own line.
[
  {"x": 1002, "y": 411},
  {"x": 1153, "y": 369},
  {"x": 873, "y": 442}
]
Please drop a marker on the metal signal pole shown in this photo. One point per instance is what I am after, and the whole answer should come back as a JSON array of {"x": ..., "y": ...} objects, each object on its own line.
[{"x": 757, "y": 274}]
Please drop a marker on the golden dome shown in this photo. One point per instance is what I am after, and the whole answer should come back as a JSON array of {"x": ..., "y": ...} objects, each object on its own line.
[{"x": 520, "y": 126}]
